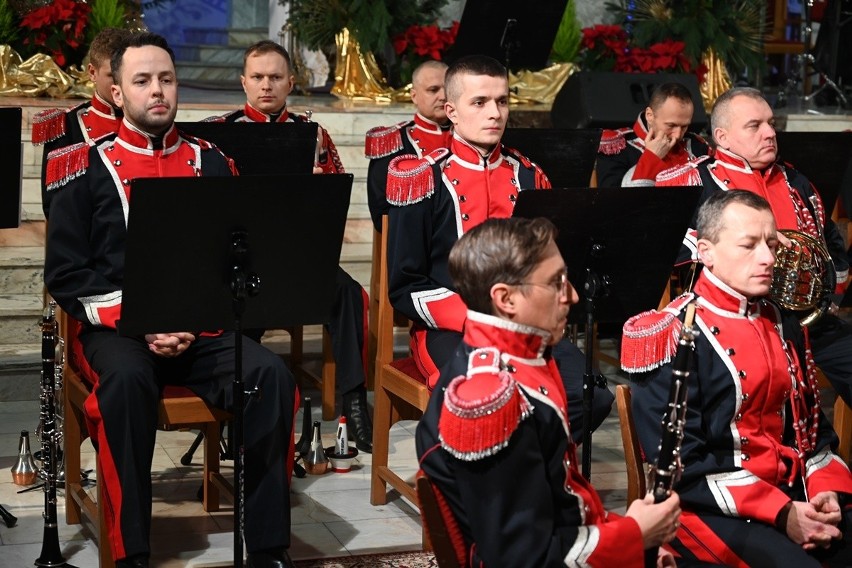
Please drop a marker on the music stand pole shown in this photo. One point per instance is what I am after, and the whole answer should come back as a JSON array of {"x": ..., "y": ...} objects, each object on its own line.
[{"x": 593, "y": 288}]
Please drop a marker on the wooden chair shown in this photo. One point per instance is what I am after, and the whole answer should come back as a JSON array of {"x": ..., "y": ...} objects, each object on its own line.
[
  {"x": 400, "y": 391},
  {"x": 630, "y": 441},
  {"x": 179, "y": 408},
  {"x": 440, "y": 525},
  {"x": 842, "y": 421}
]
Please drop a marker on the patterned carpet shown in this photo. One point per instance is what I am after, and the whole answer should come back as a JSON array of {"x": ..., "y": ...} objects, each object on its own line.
[{"x": 392, "y": 560}]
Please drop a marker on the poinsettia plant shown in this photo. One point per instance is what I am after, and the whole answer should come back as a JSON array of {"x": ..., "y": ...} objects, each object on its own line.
[
  {"x": 608, "y": 48},
  {"x": 56, "y": 29},
  {"x": 420, "y": 43}
]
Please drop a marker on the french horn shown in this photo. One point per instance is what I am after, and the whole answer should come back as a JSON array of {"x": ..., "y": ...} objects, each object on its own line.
[{"x": 803, "y": 277}]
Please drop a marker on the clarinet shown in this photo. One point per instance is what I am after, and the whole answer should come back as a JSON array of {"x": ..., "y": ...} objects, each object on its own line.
[
  {"x": 50, "y": 555},
  {"x": 666, "y": 472}
]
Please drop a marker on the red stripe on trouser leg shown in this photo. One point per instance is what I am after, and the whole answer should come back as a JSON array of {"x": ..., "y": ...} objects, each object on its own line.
[
  {"x": 422, "y": 359},
  {"x": 108, "y": 479},
  {"x": 704, "y": 544}
]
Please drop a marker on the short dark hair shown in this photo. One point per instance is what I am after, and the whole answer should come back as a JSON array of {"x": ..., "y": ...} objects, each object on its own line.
[
  {"x": 266, "y": 46},
  {"x": 711, "y": 212},
  {"x": 497, "y": 250},
  {"x": 470, "y": 65},
  {"x": 665, "y": 91},
  {"x": 140, "y": 39},
  {"x": 719, "y": 116},
  {"x": 107, "y": 42}
]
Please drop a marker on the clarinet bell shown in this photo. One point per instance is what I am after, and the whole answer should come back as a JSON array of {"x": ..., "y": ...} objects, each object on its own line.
[
  {"x": 316, "y": 462},
  {"x": 25, "y": 471}
]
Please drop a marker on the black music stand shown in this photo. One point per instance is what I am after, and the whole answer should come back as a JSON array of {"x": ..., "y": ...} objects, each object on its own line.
[
  {"x": 566, "y": 156},
  {"x": 11, "y": 155},
  {"x": 518, "y": 34},
  {"x": 238, "y": 241},
  {"x": 620, "y": 246},
  {"x": 260, "y": 148},
  {"x": 822, "y": 157}
]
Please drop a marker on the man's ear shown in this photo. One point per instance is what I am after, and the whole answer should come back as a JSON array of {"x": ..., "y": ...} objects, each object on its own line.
[
  {"x": 117, "y": 98},
  {"x": 502, "y": 299},
  {"x": 90, "y": 69},
  {"x": 720, "y": 136},
  {"x": 649, "y": 115},
  {"x": 450, "y": 109},
  {"x": 705, "y": 252}
]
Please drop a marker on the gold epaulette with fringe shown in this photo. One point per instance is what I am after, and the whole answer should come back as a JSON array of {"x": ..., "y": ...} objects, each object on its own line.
[
  {"x": 685, "y": 174},
  {"x": 65, "y": 164},
  {"x": 410, "y": 179},
  {"x": 650, "y": 339},
  {"x": 482, "y": 409},
  {"x": 613, "y": 141},
  {"x": 383, "y": 141},
  {"x": 48, "y": 125}
]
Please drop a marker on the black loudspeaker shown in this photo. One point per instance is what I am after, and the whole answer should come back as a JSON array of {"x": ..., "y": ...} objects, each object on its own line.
[
  {"x": 10, "y": 167},
  {"x": 597, "y": 99}
]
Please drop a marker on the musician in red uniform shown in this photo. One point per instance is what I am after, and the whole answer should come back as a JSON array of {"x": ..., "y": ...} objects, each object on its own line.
[
  {"x": 267, "y": 81},
  {"x": 84, "y": 270},
  {"x": 495, "y": 439},
  {"x": 56, "y": 128},
  {"x": 746, "y": 157},
  {"x": 441, "y": 196},
  {"x": 659, "y": 140},
  {"x": 429, "y": 130},
  {"x": 760, "y": 484}
]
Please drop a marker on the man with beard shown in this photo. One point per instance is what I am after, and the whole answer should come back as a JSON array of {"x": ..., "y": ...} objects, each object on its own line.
[{"x": 84, "y": 270}]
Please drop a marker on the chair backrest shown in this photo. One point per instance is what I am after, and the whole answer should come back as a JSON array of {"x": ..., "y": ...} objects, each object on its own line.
[
  {"x": 387, "y": 317},
  {"x": 630, "y": 441},
  {"x": 444, "y": 533}
]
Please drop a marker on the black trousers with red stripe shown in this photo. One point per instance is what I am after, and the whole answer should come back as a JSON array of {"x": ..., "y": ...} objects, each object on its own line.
[
  {"x": 706, "y": 540},
  {"x": 122, "y": 415}
]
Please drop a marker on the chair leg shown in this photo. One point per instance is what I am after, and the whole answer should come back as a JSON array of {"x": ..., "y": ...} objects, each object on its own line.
[
  {"x": 329, "y": 372},
  {"x": 211, "y": 466},
  {"x": 843, "y": 427},
  {"x": 72, "y": 439},
  {"x": 381, "y": 443}
]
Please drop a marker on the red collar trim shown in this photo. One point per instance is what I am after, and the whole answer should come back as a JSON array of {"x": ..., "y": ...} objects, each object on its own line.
[
  {"x": 258, "y": 116},
  {"x": 102, "y": 106},
  {"x": 430, "y": 126},
  {"x": 723, "y": 297},
  {"x": 138, "y": 139},
  {"x": 640, "y": 129},
  {"x": 518, "y": 341},
  {"x": 466, "y": 152}
]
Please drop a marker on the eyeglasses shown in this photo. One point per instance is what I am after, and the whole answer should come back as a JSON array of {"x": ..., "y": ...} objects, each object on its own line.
[{"x": 559, "y": 284}]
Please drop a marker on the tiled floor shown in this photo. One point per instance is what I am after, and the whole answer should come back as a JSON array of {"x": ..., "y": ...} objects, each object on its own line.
[{"x": 331, "y": 515}]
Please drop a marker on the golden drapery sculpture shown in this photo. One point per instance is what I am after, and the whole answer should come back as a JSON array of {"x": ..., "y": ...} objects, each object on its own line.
[
  {"x": 40, "y": 75},
  {"x": 539, "y": 86},
  {"x": 717, "y": 80},
  {"x": 357, "y": 75}
]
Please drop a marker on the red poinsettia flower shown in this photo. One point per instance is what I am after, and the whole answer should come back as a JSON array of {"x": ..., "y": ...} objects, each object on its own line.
[{"x": 56, "y": 29}]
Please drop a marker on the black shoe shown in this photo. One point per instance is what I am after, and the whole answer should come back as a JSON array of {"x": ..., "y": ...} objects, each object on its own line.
[
  {"x": 358, "y": 422},
  {"x": 271, "y": 558},
  {"x": 136, "y": 561}
]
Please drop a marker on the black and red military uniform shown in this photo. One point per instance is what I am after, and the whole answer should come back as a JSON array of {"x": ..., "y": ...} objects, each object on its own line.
[
  {"x": 437, "y": 199},
  {"x": 56, "y": 128},
  {"x": 623, "y": 160},
  {"x": 797, "y": 206},
  {"x": 84, "y": 271},
  {"x": 382, "y": 144},
  {"x": 752, "y": 379},
  {"x": 348, "y": 326},
  {"x": 496, "y": 442},
  {"x": 328, "y": 159}
]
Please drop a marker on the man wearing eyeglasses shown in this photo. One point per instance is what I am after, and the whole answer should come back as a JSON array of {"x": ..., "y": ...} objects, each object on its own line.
[{"x": 495, "y": 439}]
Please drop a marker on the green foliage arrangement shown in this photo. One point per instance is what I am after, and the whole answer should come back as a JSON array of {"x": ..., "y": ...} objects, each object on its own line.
[
  {"x": 373, "y": 22},
  {"x": 9, "y": 33},
  {"x": 105, "y": 14},
  {"x": 732, "y": 28},
  {"x": 566, "y": 46}
]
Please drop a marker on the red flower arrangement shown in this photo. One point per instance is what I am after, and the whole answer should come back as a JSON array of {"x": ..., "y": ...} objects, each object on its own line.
[
  {"x": 56, "y": 29},
  {"x": 607, "y": 48},
  {"x": 420, "y": 43}
]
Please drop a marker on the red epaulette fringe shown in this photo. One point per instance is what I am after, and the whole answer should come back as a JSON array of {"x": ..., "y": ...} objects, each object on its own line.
[
  {"x": 410, "y": 178},
  {"x": 686, "y": 174},
  {"x": 612, "y": 142},
  {"x": 481, "y": 410},
  {"x": 650, "y": 339},
  {"x": 65, "y": 164},
  {"x": 383, "y": 141},
  {"x": 48, "y": 125}
]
